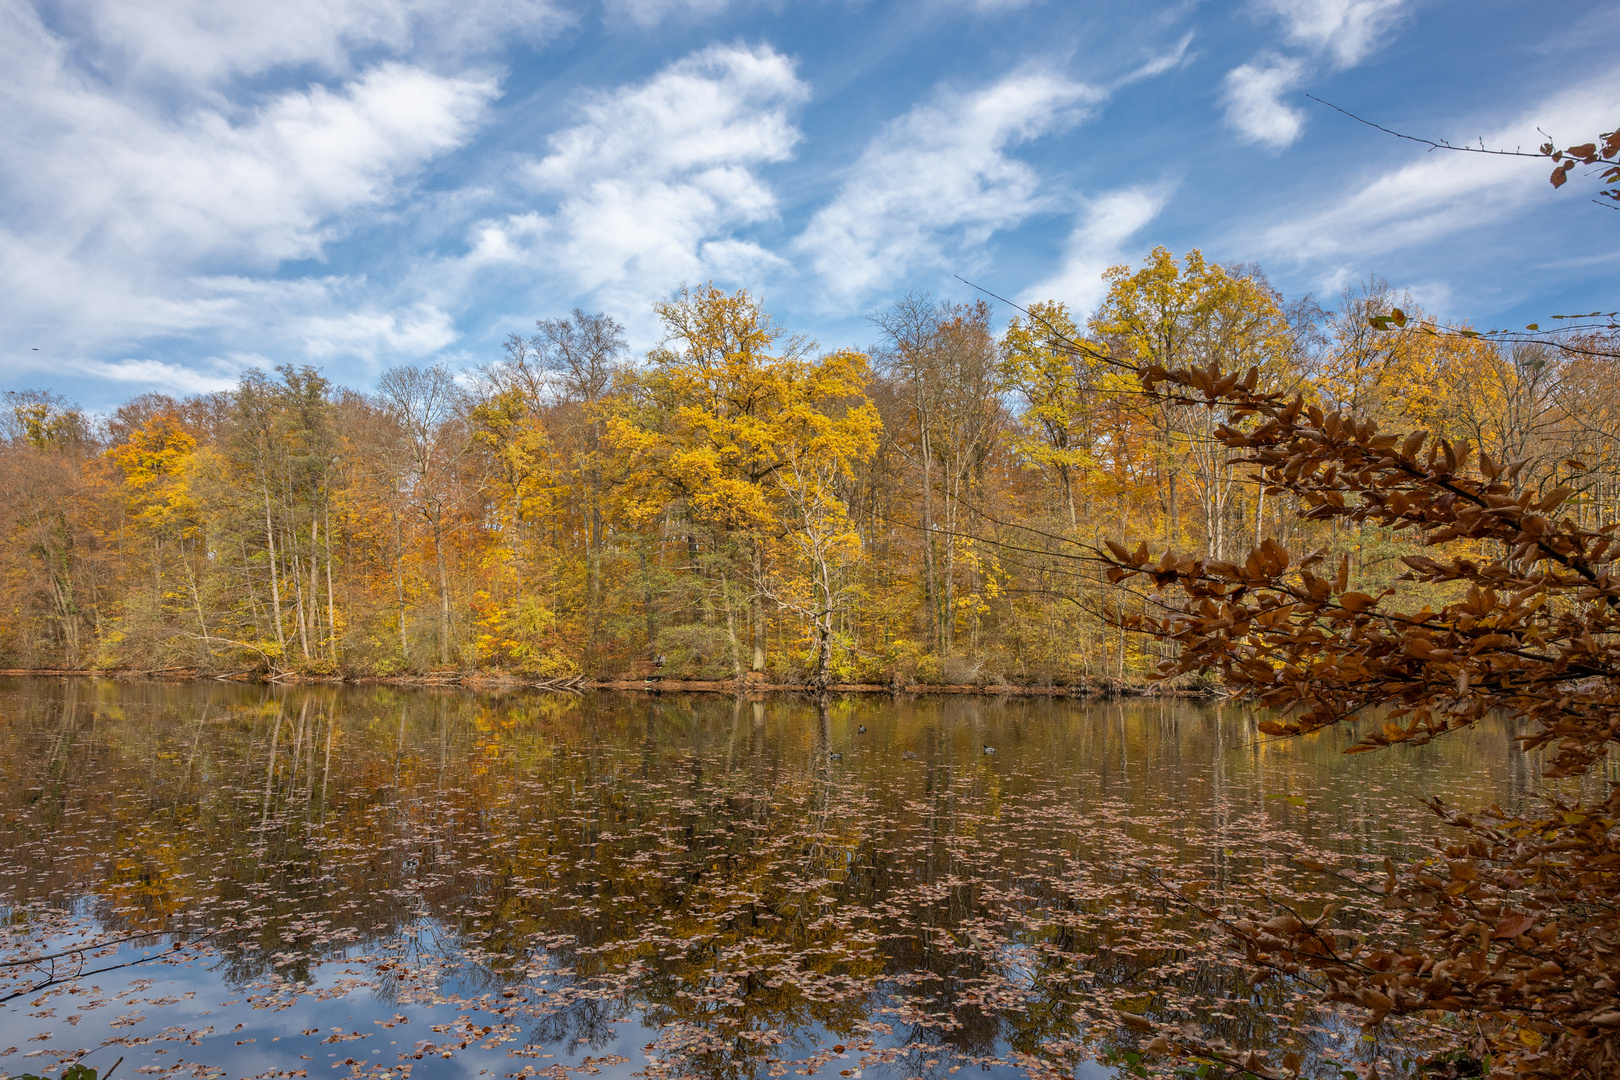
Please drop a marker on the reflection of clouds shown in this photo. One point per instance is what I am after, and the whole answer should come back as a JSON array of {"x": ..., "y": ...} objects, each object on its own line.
[{"x": 468, "y": 847}]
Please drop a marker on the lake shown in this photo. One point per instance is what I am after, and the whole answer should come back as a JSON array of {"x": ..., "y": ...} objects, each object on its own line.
[{"x": 254, "y": 881}]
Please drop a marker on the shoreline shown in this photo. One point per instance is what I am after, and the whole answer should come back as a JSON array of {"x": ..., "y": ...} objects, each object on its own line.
[{"x": 483, "y": 680}]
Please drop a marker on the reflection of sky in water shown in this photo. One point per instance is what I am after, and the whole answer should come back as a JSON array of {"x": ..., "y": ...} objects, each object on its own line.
[
  {"x": 273, "y": 1018},
  {"x": 711, "y": 849},
  {"x": 270, "y": 1041}
]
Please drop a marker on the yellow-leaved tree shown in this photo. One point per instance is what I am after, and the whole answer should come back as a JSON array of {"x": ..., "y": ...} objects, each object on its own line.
[
  {"x": 158, "y": 463},
  {"x": 1059, "y": 382},
  {"x": 1196, "y": 314},
  {"x": 518, "y": 625},
  {"x": 830, "y": 426},
  {"x": 729, "y": 402}
]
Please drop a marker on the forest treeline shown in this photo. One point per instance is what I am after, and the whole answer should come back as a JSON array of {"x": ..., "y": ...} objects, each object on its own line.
[{"x": 737, "y": 503}]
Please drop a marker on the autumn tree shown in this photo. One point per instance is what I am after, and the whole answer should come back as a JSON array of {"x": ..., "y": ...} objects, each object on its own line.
[
  {"x": 945, "y": 357},
  {"x": 155, "y": 463},
  {"x": 1059, "y": 384},
  {"x": 1373, "y": 375},
  {"x": 1514, "y": 921},
  {"x": 574, "y": 365},
  {"x": 376, "y": 527},
  {"x": 1170, "y": 315},
  {"x": 49, "y": 517},
  {"x": 429, "y": 407},
  {"x": 517, "y": 599},
  {"x": 728, "y": 404},
  {"x": 281, "y": 437},
  {"x": 828, "y": 428}
]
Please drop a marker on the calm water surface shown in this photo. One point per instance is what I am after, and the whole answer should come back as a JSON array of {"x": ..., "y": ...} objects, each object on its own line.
[{"x": 380, "y": 882}]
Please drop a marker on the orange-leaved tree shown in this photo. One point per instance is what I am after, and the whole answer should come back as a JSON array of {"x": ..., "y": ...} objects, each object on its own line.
[{"x": 1515, "y": 922}]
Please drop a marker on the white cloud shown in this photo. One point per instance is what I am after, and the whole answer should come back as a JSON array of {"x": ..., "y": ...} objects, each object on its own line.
[
  {"x": 1096, "y": 244},
  {"x": 122, "y": 209},
  {"x": 261, "y": 187},
  {"x": 1440, "y": 193},
  {"x": 647, "y": 13},
  {"x": 652, "y": 182},
  {"x": 938, "y": 178},
  {"x": 411, "y": 334},
  {"x": 204, "y": 41},
  {"x": 652, "y": 12},
  {"x": 163, "y": 376},
  {"x": 151, "y": 188},
  {"x": 723, "y": 106},
  {"x": 1158, "y": 65},
  {"x": 1346, "y": 30},
  {"x": 1253, "y": 98}
]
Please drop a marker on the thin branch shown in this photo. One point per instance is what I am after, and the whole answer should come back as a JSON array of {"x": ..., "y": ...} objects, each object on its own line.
[
  {"x": 173, "y": 950},
  {"x": 1430, "y": 143},
  {"x": 89, "y": 947}
]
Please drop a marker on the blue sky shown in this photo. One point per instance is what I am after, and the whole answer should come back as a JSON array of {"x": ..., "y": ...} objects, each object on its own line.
[{"x": 193, "y": 187}]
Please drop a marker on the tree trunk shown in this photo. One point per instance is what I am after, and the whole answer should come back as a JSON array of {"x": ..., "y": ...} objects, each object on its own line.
[
  {"x": 759, "y": 605},
  {"x": 331, "y": 598},
  {"x": 823, "y": 624},
  {"x": 823, "y": 649},
  {"x": 315, "y": 580},
  {"x": 929, "y": 577},
  {"x": 1260, "y": 516},
  {"x": 399, "y": 581},
  {"x": 647, "y": 605},
  {"x": 731, "y": 629},
  {"x": 1175, "y": 509},
  {"x": 275, "y": 587},
  {"x": 947, "y": 624},
  {"x": 444, "y": 597},
  {"x": 296, "y": 576},
  {"x": 593, "y": 556}
]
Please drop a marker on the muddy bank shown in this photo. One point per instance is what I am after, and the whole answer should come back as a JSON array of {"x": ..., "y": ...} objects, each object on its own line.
[{"x": 494, "y": 680}]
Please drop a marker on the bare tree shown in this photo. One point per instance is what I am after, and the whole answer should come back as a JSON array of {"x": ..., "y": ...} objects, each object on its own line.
[
  {"x": 46, "y": 454},
  {"x": 428, "y": 405},
  {"x": 909, "y": 326},
  {"x": 944, "y": 356}
]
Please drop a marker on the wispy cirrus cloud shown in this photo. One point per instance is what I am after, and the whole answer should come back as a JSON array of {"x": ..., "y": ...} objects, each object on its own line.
[
  {"x": 1345, "y": 31},
  {"x": 113, "y": 181},
  {"x": 1104, "y": 224},
  {"x": 126, "y": 205},
  {"x": 179, "y": 379},
  {"x": 413, "y": 332},
  {"x": 199, "y": 43},
  {"x": 938, "y": 179},
  {"x": 1438, "y": 194},
  {"x": 1332, "y": 33},
  {"x": 647, "y": 13}
]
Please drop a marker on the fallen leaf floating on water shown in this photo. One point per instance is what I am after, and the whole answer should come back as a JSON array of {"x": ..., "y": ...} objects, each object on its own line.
[{"x": 745, "y": 905}]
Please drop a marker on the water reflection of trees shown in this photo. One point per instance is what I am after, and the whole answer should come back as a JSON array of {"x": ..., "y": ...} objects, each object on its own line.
[{"x": 740, "y": 869}]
